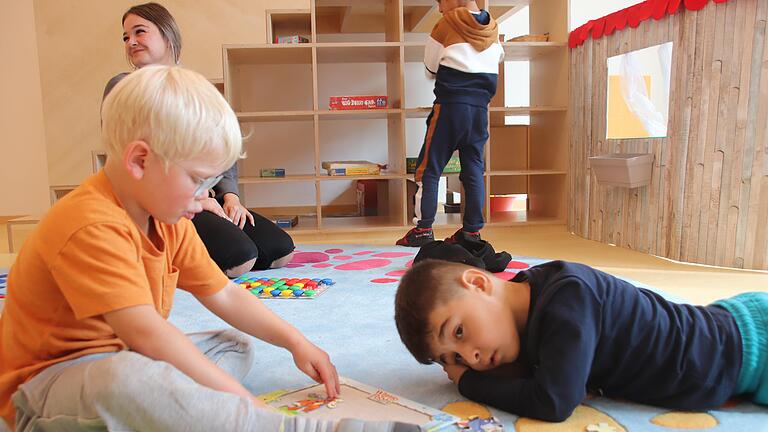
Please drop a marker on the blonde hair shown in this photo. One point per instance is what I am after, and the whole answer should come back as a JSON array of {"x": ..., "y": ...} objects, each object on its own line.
[{"x": 176, "y": 111}]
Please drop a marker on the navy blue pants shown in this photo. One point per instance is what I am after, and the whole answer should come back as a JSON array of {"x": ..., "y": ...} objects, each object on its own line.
[{"x": 452, "y": 127}]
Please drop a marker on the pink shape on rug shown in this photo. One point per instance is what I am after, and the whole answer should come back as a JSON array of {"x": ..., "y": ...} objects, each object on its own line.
[
  {"x": 363, "y": 252},
  {"x": 517, "y": 265},
  {"x": 293, "y": 265},
  {"x": 393, "y": 254},
  {"x": 409, "y": 264},
  {"x": 364, "y": 264},
  {"x": 322, "y": 265},
  {"x": 383, "y": 280},
  {"x": 334, "y": 251},
  {"x": 309, "y": 257},
  {"x": 396, "y": 273},
  {"x": 343, "y": 257},
  {"x": 505, "y": 275}
]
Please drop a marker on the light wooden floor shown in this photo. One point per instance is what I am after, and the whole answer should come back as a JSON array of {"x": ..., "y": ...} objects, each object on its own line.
[{"x": 698, "y": 284}]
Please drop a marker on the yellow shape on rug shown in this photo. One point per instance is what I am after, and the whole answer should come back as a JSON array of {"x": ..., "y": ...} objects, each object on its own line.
[
  {"x": 466, "y": 409},
  {"x": 582, "y": 417},
  {"x": 685, "y": 420}
]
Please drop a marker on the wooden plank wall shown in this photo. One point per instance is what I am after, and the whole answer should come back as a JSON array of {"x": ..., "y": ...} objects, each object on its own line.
[{"x": 708, "y": 198}]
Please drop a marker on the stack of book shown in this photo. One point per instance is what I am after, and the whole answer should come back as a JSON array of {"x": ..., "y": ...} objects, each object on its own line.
[{"x": 352, "y": 168}]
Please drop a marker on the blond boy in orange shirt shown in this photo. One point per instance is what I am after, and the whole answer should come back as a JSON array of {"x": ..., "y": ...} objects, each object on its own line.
[{"x": 84, "y": 341}]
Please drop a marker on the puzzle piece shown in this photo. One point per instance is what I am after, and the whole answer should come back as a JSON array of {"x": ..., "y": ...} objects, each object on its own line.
[
  {"x": 476, "y": 424},
  {"x": 272, "y": 396},
  {"x": 308, "y": 405},
  {"x": 383, "y": 397},
  {"x": 600, "y": 427}
]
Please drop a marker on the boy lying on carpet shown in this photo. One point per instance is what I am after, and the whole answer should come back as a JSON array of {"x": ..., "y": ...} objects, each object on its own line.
[
  {"x": 84, "y": 341},
  {"x": 576, "y": 329}
]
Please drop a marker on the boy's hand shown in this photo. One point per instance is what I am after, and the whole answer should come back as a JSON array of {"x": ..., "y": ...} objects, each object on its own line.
[
  {"x": 235, "y": 211},
  {"x": 317, "y": 365},
  {"x": 455, "y": 371}
]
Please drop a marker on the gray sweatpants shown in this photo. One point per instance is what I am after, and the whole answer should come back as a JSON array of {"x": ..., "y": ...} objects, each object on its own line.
[{"x": 127, "y": 391}]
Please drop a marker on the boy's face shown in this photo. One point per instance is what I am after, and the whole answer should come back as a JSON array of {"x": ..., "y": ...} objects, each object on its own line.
[
  {"x": 448, "y": 5},
  {"x": 474, "y": 329},
  {"x": 168, "y": 195}
]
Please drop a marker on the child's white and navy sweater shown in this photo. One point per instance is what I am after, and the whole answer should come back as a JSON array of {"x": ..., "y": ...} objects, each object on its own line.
[{"x": 463, "y": 55}]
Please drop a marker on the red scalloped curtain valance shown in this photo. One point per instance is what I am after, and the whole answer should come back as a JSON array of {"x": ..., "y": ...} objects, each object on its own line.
[{"x": 632, "y": 16}]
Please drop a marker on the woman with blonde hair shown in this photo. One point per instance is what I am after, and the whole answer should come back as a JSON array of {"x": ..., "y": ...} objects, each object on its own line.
[{"x": 237, "y": 239}]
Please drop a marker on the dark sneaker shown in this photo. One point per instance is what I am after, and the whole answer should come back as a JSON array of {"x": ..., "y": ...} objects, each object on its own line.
[
  {"x": 417, "y": 237},
  {"x": 469, "y": 236}
]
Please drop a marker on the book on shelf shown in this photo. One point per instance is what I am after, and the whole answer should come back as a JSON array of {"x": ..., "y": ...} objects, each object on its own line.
[{"x": 352, "y": 168}]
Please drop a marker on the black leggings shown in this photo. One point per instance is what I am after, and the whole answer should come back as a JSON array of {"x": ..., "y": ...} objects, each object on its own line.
[{"x": 229, "y": 246}]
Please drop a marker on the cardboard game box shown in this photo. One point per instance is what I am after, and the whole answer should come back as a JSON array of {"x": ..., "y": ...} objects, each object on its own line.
[
  {"x": 272, "y": 172},
  {"x": 357, "y": 102},
  {"x": 285, "y": 221},
  {"x": 352, "y": 168},
  {"x": 453, "y": 165},
  {"x": 295, "y": 39}
]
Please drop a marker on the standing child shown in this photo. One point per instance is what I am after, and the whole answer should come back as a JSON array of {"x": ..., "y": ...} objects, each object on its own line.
[
  {"x": 462, "y": 55},
  {"x": 84, "y": 341}
]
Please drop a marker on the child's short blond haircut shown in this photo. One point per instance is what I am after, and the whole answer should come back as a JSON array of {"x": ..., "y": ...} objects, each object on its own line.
[{"x": 176, "y": 111}]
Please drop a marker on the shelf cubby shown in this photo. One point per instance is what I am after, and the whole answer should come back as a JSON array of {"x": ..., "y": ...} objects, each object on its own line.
[
  {"x": 341, "y": 138},
  {"x": 284, "y": 78},
  {"x": 288, "y": 22},
  {"x": 339, "y": 203},
  {"x": 294, "y": 139},
  {"x": 291, "y": 197}
]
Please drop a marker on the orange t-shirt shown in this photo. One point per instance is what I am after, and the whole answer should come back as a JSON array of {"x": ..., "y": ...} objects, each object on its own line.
[{"x": 84, "y": 259}]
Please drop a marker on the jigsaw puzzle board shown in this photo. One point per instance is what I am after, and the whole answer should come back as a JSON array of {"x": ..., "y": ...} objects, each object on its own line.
[{"x": 363, "y": 402}]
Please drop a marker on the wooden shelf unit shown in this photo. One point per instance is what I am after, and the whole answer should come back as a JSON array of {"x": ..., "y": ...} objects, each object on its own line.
[{"x": 536, "y": 165}]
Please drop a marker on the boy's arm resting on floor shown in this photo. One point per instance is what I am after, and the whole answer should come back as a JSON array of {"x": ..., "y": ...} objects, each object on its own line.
[
  {"x": 147, "y": 333},
  {"x": 246, "y": 312},
  {"x": 558, "y": 382}
]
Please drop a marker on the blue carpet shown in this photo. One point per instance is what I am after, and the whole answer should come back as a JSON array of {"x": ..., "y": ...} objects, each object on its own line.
[{"x": 353, "y": 321}]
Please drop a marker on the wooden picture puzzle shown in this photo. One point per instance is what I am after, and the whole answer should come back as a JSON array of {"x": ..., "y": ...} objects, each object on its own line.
[
  {"x": 358, "y": 401},
  {"x": 284, "y": 288}
]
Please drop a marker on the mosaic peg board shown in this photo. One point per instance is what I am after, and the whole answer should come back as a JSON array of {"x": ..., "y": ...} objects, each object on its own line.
[{"x": 284, "y": 288}]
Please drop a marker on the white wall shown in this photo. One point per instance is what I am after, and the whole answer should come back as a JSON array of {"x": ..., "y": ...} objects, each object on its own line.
[
  {"x": 517, "y": 82},
  {"x": 23, "y": 164},
  {"x": 585, "y": 10}
]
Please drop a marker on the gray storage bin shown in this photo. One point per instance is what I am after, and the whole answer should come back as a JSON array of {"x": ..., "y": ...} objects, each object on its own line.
[{"x": 622, "y": 169}]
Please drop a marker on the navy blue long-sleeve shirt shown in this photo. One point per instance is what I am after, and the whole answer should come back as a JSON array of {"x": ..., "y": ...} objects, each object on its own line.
[{"x": 590, "y": 331}]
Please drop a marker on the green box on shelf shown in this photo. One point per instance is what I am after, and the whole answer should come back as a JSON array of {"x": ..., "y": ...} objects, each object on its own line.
[
  {"x": 453, "y": 165},
  {"x": 273, "y": 172}
]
